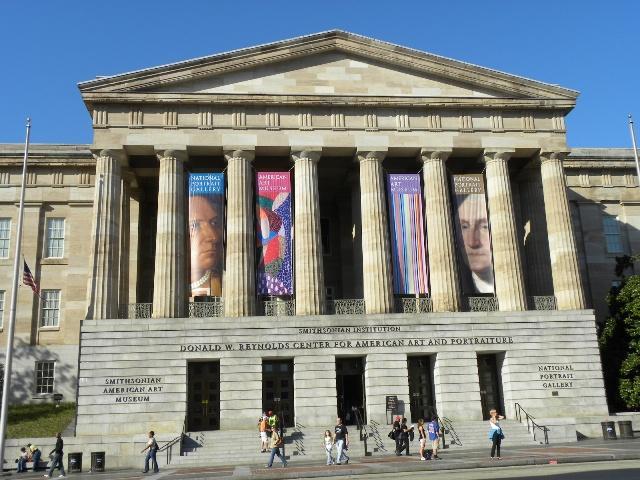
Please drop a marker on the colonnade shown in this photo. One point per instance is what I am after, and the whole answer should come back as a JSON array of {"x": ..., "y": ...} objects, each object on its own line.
[{"x": 239, "y": 287}]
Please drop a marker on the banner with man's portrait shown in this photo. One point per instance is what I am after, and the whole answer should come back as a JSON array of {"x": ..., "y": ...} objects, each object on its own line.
[
  {"x": 472, "y": 234},
  {"x": 275, "y": 275},
  {"x": 206, "y": 233},
  {"x": 408, "y": 252}
]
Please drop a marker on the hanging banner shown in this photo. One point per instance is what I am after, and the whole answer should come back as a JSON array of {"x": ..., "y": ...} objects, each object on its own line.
[
  {"x": 472, "y": 234},
  {"x": 275, "y": 276},
  {"x": 206, "y": 233},
  {"x": 408, "y": 250}
]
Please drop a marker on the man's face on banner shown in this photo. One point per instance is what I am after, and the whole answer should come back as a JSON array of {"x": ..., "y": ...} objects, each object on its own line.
[
  {"x": 205, "y": 227},
  {"x": 474, "y": 226}
]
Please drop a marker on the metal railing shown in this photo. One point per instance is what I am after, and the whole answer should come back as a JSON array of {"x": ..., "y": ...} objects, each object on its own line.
[
  {"x": 447, "y": 428},
  {"x": 347, "y": 306},
  {"x": 482, "y": 304},
  {"x": 543, "y": 302},
  {"x": 214, "y": 308},
  {"x": 168, "y": 447},
  {"x": 414, "y": 305},
  {"x": 136, "y": 310},
  {"x": 279, "y": 308},
  {"x": 532, "y": 426}
]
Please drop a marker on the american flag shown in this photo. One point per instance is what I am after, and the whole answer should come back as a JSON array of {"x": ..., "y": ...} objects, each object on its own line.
[{"x": 27, "y": 279}]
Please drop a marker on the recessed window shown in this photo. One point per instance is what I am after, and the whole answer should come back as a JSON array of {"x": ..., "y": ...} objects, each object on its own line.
[
  {"x": 5, "y": 235},
  {"x": 612, "y": 235},
  {"x": 45, "y": 373},
  {"x": 50, "y": 312},
  {"x": 55, "y": 237}
]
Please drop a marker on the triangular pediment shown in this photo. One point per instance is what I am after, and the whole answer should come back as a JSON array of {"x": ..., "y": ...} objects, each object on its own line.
[{"x": 331, "y": 63}]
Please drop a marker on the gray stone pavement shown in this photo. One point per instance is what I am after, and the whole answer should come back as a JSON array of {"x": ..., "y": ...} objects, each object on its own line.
[{"x": 452, "y": 460}]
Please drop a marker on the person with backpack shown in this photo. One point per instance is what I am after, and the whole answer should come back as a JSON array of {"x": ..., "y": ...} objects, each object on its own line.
[
  {"x": 405, "y": 432},
  {"x": 277, "y": 442},
  {"x": 395, "y": 434},
  {"x": 153, "y": 448},
  {"x": 433, "y": 430}
]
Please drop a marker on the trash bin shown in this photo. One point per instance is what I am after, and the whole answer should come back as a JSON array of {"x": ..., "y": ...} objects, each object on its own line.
[
  {"x": 74, "y": 464},
  {"x": 97, "y": 461},
  {"x": 625, "y": 428},
  {"x": 608, "y": 430}
]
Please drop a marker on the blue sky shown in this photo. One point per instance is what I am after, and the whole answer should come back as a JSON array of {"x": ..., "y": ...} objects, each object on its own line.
[{"x": 46, "y": 47}]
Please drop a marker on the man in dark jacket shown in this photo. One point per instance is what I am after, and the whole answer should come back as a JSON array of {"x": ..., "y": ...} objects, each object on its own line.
[{"x": 56, "y": 460}]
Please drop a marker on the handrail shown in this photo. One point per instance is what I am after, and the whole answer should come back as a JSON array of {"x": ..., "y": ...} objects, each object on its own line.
[
  {"x": 531, "y": 424},
  {"x": 447, "y": 425}
]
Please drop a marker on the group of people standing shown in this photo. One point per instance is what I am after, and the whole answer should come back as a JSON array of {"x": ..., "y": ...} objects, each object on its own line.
[{"x": 403, "y": 434}]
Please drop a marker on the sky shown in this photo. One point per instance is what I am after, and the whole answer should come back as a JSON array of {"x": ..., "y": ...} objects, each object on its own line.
[{"x": 47, "y": 47}]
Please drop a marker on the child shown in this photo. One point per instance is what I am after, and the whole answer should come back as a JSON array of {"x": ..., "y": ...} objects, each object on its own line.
[
  {"x": 328, "y": 445},
  {"x": 22, "y": 461}
]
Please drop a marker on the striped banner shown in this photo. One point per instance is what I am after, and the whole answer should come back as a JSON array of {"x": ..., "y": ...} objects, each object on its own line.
[{"x": 408, "y": 249}]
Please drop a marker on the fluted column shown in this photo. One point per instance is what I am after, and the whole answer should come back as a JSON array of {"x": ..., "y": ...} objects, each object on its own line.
[
  {"x": 507, "y": 263},
  {"x": 169, "y": 290},
  {"x": 239, "y": 280},
  {"x": 102, "y": 291},
  {"x": 376, "y": 254},
  {"x": 125, "y": 230},
  {"x": 565, "y": 270},
  {"x": 309, "y": 280},
  {"x": 443, "y": 271}
]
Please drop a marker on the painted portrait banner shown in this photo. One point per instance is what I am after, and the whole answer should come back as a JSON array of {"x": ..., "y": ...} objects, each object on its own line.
[
  {"x": 275, "y": 276},
  {"x": 206, "y": 233},
  {"x": 472, "y": 234},
  {"x": 408, "y": 250}
]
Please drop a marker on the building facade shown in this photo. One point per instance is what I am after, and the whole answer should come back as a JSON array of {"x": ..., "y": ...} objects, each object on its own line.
[{"x": 315, "y": 225}]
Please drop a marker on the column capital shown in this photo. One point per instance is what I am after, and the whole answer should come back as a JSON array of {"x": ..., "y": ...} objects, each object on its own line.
[
  {"x": 174, "y": 153},
  {"x": 116, "y": 153},
  {"x": 245, "y": 153},
  {"x": 428, "y": 154},
  {"x": 546, "y": 155},
  {"x": 306, "y": 153},
  {"x": 377, "y": 155},
  {"x": 490, "y": 155}
]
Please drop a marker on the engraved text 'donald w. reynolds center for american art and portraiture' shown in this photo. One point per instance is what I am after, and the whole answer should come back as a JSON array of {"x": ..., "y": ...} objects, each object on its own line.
[{"x": 316, "y": 226}]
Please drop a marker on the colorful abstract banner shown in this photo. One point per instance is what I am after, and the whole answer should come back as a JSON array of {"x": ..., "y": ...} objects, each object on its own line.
[
  {"x": 472, "y": 234},
  {"x": 407, "y": 234},
  {"x": 275, "y": 276},
  {"x": 206, "y": 233}
]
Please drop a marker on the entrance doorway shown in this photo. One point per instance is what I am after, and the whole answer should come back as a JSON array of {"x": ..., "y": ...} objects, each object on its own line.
[
  {"x": 203, "y": 396},
  {"x": 350, "y": 389},
  {"x": 421, "y": 388},
  {"x": 277, "y": 389},
  {"x": 490, "y": 377}
]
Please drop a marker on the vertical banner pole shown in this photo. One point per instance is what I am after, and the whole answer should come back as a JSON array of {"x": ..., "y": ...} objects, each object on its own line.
[
  {"x": 14, "y": 297},
  {"x": 635, "y": 149}
]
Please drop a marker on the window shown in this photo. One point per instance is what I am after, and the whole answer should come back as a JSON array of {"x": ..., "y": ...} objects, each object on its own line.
[
  {"x": 5, "y": 234},
  {"x": 50, "y": 316},
  {"x": 45, "y": 372},
  {"x": 612, "y": 235},
  {"x": 1, "y": 308},
  {"x": 55, "y": 237}
]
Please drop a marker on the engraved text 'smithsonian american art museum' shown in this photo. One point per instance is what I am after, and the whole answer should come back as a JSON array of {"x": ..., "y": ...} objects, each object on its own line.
[{"x": 312, "y": 226}]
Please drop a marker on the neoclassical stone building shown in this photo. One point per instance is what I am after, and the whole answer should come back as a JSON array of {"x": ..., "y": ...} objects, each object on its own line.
[{"x": 374, "y": 288}]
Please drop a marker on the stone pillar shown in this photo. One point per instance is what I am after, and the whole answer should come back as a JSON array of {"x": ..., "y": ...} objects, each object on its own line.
[
  {"x": 507, "y": 263},
  {"x": 443, "y": 270},
  {"x": 376, "y": 254},
  {"x": 309, "y": 279},
  {"x": 169, "y": 281},
  {"x": 125, "y": 247},
  {"x": 565, "y": 270},
  {"x": 102, "y": 293},
  {"x": 239, "y": 280}
]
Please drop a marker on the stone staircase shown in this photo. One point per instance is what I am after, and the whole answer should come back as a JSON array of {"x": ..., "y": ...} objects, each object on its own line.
[{"x": 475, "y": 434}]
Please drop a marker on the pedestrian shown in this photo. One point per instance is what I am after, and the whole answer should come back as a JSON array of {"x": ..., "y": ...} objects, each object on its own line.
[
  {"x": 273, "y": 420},
  {"x": 396, "y": 434},
  {"x": 495, "y": 432},
  {"x": 328, "y": 446},
  {"x": 341, "y": 438},
  {"x": 34, "y": 455},
  {"x": 22, "y": 460},
  {"x": 152, "y": 446},
  {"x": 276, "y": 443},
  {"x": 433, "y": 430},
  {"x": 404, "y": 438},
  {"x": 422, "y": 438},
  {"x": 262, "y": 428},
  {"x": 57, "y": 456}
]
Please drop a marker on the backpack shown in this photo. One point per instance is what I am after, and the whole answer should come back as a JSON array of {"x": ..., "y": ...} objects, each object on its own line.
[
  {"x": 411, "y": 435},
  {"x": 392, "y": 435}
]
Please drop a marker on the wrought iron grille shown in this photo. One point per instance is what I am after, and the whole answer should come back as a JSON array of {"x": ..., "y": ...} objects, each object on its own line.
[
  {"x": 213, "y": 308},
  {"x": 414, "y": 305},
  {"x": 483, "y": 304},
  {"x": 347, "y": 306},
  {"x": 279, "y": 308},
  {"x": 136, "y": 310},
  {"x": 547, "y": 302}
]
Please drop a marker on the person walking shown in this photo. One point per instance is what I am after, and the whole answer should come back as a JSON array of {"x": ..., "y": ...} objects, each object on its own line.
[
  {"x": 34, "y": 455},
  {"x": 495, "y": 433},
  {"x": 57, "y": 458},
  {"x": 433, "y": 430},
  {"x": 341, "y": 438},
  {"x": 152, "y": 446},
  {"x": 276, "y": 443},
  {"x": 262, "y": 428},
  {"x": 328, "y": 446},
  {"x": 396, "y": 434}
]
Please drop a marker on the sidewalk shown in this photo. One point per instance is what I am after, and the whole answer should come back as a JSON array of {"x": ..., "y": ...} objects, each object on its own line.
[{"x": 584, "y": 451}]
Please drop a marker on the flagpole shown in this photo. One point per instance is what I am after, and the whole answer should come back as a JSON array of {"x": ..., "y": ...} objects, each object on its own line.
[
  {"x": 12, "y": 312},
  {"x": 635, "y": 149}
]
